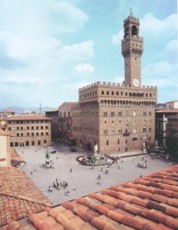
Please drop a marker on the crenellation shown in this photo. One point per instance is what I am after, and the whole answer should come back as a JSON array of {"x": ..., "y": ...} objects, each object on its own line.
[
  {"x": 117, "y": 86},
  {"x": 131, "y": 18}
]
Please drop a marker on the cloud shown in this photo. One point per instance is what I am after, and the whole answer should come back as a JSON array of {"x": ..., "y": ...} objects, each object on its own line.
[
  {"x": 84, "y": 69},
  {"x": 77, "y": 52},
  {"x": 171, "y": 51},
  {"x": 72, "y": 17},
  {"x": 116, "y": 38},
  {"x": 29, "y": 31},
  {"x": 172, "y": 46},
  {"x": 51, "y": 17},
  {"x": 150, "y": 25},
  {"x": 118, "y": 79},
  {"x": 75, "y": 86},
  {"x": 161, "y": 74}
]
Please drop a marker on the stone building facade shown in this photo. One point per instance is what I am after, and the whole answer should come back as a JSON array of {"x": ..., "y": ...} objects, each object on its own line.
[
  {"x": 54, "y": 116},
  {"x": 165, "y": 125},
  {"x": 27, "y": 130},
  {"x": 5, "y": 151},
  {"x": 65, "y": 122},
  {"x": 118, "y": 117},
  {"x": 172, "y": 104}
]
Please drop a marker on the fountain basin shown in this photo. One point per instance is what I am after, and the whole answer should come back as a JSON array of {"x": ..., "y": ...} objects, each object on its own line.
[{"x": 91, "y": 161}]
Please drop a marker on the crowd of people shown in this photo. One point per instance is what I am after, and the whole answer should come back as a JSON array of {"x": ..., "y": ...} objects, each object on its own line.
[{"x": 61, "y": 185}]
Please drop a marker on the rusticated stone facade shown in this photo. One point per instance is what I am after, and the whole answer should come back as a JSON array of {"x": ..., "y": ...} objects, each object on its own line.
[{"x": 118, "y": 117}]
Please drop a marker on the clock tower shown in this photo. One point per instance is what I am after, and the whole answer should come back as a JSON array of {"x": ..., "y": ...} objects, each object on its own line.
[{"x": 132, "y": 49}]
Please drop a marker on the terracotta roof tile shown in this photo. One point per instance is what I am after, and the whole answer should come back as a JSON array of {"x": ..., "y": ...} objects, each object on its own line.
[
  {"x": 103, "y": 208},
  {"x": 13, "y": 225},
  {"x": 18, "y": 195},
  {"x": 69, "y": 205},
  {"x": 172, "y": 222},
  {"x": 173, "y": 211},
  {"x": 140, "y": 202},
  {"x": 154, "y": 215},
  {"x": 132, "y": 209},
  {"x": 133, "y": 222},
  {"x": 148, "y": 224},
  {"x": 124, "y": 212},
  {"x": 104, "y": 223},
  {"x": 87, "y": 226},
  {"x": 169, "y": 187},
  {"x": 62, "y": 219},
  {"x": 115, "y": 216},
  {"x": 173, "y": 202},
  {"x": 156, "y": 206},
  {"x": 55, "y": 211},
  {"x": 89, "y": 215},
  {"x": 104, "y": 198},
  {"x": 163, "y": 227},
  {"x": 166, "y": 192}
]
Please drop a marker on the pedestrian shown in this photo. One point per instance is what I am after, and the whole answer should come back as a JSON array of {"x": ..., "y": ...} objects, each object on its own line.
[
  {"x": 99, "y": 177},
  {"x": 50, "y": 189}
]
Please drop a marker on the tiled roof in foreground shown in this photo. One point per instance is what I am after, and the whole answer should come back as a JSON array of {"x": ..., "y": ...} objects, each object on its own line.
[
  {"x": 18, "y": 195},
  {"x": 146, "y": 203}
]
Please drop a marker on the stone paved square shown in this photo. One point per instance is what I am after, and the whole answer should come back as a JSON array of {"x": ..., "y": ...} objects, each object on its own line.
[{"x": 82, "y": 177}]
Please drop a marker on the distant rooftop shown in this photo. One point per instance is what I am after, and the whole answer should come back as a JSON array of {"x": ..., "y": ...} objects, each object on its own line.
[
  {"x": 166, "y": 110},
  {"x": 26, "y": 117}
]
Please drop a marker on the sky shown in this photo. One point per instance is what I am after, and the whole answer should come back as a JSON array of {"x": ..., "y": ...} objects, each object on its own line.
[{"x": 51, "y": 48}]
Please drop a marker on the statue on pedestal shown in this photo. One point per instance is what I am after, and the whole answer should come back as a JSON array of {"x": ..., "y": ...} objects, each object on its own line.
[{"x": 144, "y": 147}]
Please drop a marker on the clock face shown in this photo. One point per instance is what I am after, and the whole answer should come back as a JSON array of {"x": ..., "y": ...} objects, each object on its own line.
[{"x": 136, "y": 82}]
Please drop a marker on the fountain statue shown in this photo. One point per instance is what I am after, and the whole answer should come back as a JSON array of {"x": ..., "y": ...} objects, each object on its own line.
[
  {"x": 96, "y": 155},
  {"x": 95, "y": 158},
  {"x": 144, "y": 147}
]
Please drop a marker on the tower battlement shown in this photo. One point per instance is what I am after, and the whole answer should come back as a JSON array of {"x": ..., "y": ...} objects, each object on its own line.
[
  {"x": 131, "y": 19},
  {"x": 113, "y": 85}
]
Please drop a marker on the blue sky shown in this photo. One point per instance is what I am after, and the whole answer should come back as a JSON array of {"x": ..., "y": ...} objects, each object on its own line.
[{"x": 50, "y": 48}]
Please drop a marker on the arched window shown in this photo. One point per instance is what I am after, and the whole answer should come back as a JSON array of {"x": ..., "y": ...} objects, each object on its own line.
[{"x": 134, "y": 30}]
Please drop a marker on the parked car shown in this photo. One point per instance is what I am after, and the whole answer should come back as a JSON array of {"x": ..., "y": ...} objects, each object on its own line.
[
  {"x": 73, "y": 149},
  {"x": 51, "y": 150}
]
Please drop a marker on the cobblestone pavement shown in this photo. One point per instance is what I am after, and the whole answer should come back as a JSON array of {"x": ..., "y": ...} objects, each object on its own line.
[{"x": 82, "y": 177}]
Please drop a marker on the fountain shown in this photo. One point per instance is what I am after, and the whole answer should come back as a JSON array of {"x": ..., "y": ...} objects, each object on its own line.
[{"x": 95, "y": 159}]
